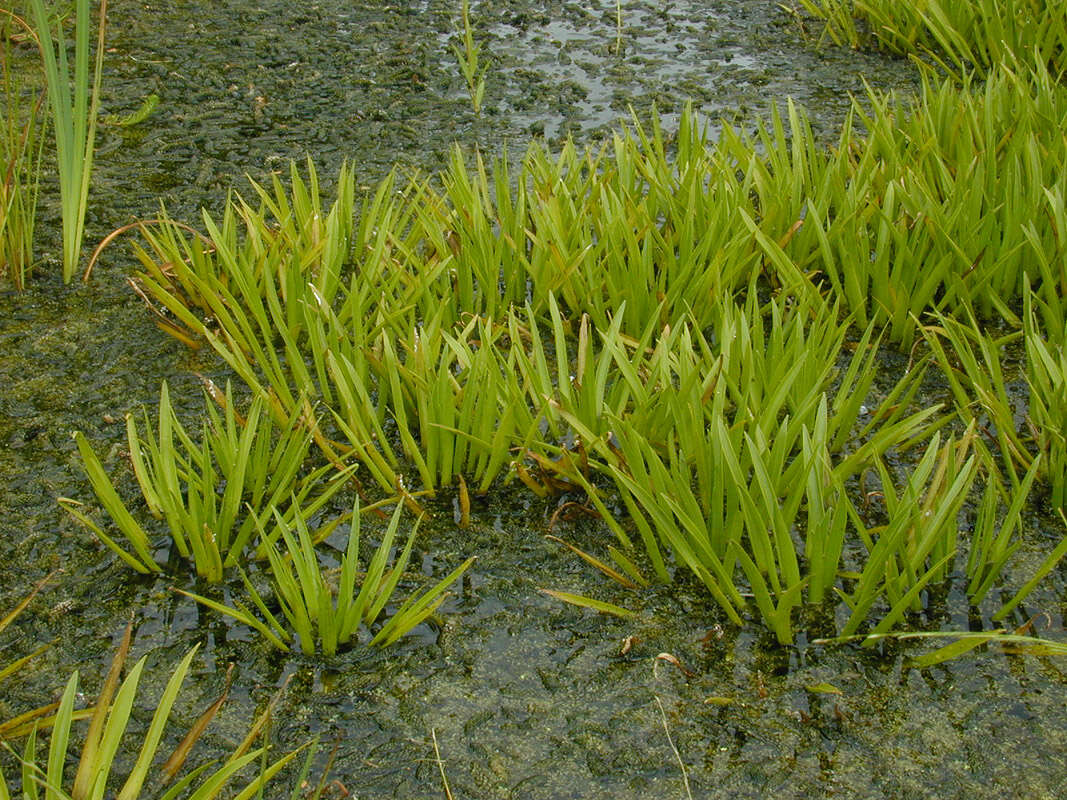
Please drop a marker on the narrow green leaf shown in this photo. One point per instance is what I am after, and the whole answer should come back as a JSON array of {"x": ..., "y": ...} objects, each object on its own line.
[{"x": 589, "y": 602}]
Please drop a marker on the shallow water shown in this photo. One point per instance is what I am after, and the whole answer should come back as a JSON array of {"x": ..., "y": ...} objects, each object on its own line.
[{"x": 528, "y": 698}]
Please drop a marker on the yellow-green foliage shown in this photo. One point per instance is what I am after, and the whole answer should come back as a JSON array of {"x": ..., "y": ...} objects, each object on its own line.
[
  {"x": 690, "y": 326},
  {"x": 317, "y": 612},
  {"x": 215, "y": 495},
  {"x": 75, "y": 105},
  {"x": 958, "y": 35}
]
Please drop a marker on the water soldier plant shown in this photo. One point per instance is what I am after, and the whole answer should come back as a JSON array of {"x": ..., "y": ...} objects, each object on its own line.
[
  {"x": 603, "y": 228},
  {"x": 672, "y": 326},
  {"x": 1047, "y": 379},
  {"x": 222, "y": 498},
  {"x": 956, "y": 35},
  {"x": 475, "y": 246},
  {"x": 742, "y": 438},
  {"x": 717, "y": 348},
  {"x": 245, "y": 490},
  {"x": 331, "y": 610},
  {"x": 939, "y": 192},
  {"x": 467, "y": 56},
  {"x": 972, "y": 363}
]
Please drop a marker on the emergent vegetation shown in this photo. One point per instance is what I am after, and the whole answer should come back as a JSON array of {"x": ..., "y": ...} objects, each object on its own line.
[
  {"x": 695, "y": 330},
  {"x": 21, "y": 149},
  {"x": 718, "y": 347},
  {"x": 319, "y": 611},
  {"x": 216, "y": 495},
  {"x": 957, "y": 35},
  {"x": 75, "y": 106},
  {"x": 106, "y": 734}
]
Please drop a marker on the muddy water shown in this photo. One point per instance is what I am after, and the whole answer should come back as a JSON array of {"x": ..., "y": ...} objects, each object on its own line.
[{"x": 528, "y": 698}]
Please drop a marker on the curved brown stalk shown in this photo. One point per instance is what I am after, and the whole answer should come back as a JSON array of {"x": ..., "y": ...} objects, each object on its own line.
[{"x": 138, "y": 224}]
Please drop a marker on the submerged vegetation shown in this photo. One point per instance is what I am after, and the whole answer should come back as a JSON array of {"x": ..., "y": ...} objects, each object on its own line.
[
  {"x": 19, "y": 724},
  {"x": 687, "y": 338}
]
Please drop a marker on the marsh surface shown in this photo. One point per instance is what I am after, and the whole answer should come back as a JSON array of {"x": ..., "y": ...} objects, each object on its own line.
[{"x": 529, "y": 698}]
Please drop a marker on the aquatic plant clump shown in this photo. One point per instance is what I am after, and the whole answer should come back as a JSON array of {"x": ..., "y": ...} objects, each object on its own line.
[
  {"x": 222, "y": 497},
  {"x": 1046, "y": 374},
  {"x": 692, "y": 325},
  {"x": 330, "y": 616},
  {"x": 747, "y": 485},
  {"x": 75, "y": 107},
  {"x": 957, "y": 35},
  {"x": 938, "y": 193}
]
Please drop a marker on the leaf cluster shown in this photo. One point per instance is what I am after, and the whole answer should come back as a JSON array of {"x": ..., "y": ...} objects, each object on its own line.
[{"x": 694, "y": 325}]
